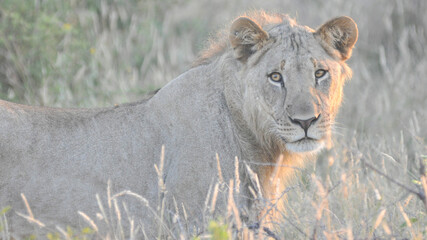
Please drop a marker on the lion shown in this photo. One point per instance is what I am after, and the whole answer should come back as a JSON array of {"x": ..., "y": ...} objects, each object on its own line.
[{"x": 267, "y": 93}]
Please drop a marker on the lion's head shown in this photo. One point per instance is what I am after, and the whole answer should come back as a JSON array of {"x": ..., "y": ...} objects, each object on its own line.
[{"x": 288, "y": 79}]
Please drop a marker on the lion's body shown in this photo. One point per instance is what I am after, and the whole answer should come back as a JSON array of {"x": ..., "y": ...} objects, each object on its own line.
[{"x": 61, "y": 158}]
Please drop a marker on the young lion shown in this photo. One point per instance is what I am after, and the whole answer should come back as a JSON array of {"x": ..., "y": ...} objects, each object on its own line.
[{"x": 267, "y": 93}]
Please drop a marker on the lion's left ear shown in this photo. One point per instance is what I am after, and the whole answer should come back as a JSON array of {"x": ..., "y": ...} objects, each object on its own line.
[
  {"x": 246, "y": 37},
  {"x": 338, "y": 37}
]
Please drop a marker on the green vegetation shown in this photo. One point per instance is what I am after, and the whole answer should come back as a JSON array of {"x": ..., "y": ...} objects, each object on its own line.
[
  {"x": 101, "y": 52},
  {"x": 4, "y": 231},
  {"x": 218, "y": 230},
  {"x": 81, "y": 53},
  {"x": 85, "y": 233}
]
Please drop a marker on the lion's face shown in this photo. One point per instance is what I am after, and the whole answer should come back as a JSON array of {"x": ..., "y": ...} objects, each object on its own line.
[
  {"x": 298, "y": 91},
  {"x": 292, "y": 87}
]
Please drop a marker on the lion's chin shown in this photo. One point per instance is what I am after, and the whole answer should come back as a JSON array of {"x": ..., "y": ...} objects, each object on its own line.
[{"x": 305, "y": 146}]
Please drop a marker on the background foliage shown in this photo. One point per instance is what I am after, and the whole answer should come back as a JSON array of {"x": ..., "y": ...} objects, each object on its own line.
[{"x": 87, "y": 53}]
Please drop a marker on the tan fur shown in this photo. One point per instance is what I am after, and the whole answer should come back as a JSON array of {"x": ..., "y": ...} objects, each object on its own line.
[
  {"x": 339, "y": 36},
  {"x": 219, "y": 42},
  {"x": 246, "y": 37},
  {"x": 225, "y": 104}
]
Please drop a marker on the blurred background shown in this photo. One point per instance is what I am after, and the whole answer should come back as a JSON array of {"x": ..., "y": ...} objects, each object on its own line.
[{"x": 94, "y": 53}]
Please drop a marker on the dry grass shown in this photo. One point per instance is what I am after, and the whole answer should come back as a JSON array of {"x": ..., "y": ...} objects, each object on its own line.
[{"x": 109, "y": 52}]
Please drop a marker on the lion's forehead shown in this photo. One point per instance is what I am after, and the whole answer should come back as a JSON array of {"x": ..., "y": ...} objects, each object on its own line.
[
  {"x": 297, "y": 47},
  {"x": 297, "y": 42},
  {"x": 292, "y": 35},
  {"x": 281, "y": 59}
]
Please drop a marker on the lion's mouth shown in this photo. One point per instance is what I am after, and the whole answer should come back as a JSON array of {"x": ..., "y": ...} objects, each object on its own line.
[
  {"x": 305, "y": 139},
  {"x": 305, "y": 144},
  {"x": 301, "y": 140}
]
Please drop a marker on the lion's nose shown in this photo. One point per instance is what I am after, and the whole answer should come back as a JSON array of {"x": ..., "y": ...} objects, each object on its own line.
[{"x": 305, "y": 123}]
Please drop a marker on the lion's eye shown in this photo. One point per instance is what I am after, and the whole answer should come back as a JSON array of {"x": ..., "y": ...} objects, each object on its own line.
[
  {"x": 320, "y": 73},
  {"x": 275, "y": 77}
]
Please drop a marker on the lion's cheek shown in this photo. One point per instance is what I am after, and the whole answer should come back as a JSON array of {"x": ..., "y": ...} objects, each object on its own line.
[{"x": 335, "y": 98}]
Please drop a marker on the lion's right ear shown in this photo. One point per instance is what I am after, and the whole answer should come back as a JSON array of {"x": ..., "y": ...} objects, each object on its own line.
[
  {"x": 246, "y": 37},
  {"x": 338, "y": 37}
]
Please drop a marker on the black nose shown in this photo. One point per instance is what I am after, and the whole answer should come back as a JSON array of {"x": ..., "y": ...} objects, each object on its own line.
[{"x": 305, "y": 124}]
